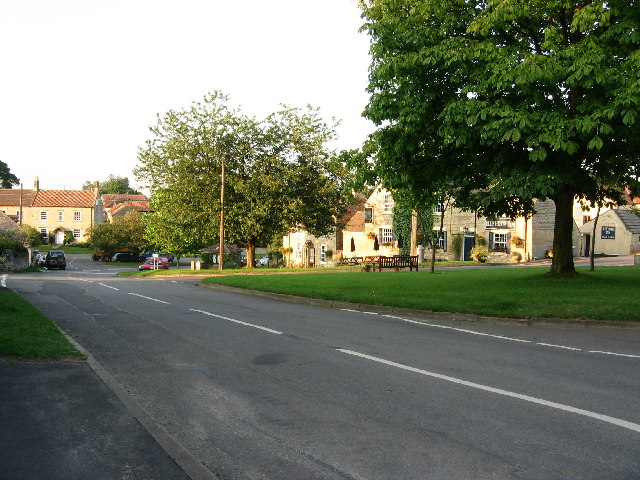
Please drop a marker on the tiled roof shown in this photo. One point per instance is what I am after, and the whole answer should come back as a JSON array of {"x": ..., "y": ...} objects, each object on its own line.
[
  {"x": 10, "y": 197},
  {"x": 630, "y": 220},
  {"x": 109, "y": 199},
  {"x": 7, "y": 224},
  {"x": 137, "y": 206},
  {"x": 354, "y": 218},
  {"x": 65, "y": 198}
]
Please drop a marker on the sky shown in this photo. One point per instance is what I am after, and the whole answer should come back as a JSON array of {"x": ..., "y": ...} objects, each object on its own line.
[{"x": 82, "y": 81}]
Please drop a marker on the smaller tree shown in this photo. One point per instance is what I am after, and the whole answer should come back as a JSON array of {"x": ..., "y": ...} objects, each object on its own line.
[
  {"x": 113, "y": 185},
  {"x": 124, "y": 233},
  {"x": 32, "y": 237},
  {"x": 7, "y": 179}
]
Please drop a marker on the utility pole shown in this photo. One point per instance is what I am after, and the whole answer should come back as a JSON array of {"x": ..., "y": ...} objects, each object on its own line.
[{"x": 221, "y": 248}]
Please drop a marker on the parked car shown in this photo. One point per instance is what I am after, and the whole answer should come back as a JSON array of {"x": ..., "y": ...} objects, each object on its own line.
[
  {"x": 157, "y": 263},
  {"x": 38, "y": 258},
  {"x": 124, "y": 257},
  {"x": 263, "y": 262},
  {"x": 55, "y": 259},
  {"x": 143, "y": 256}
]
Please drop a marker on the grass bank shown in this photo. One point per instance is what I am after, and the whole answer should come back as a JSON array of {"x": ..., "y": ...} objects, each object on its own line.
[
  {"x": 26, "y": 333},
  {"x": 608, "y": 293}
]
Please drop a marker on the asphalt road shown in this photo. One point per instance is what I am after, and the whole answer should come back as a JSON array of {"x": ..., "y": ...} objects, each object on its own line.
[{"x": 255, "y": 388}]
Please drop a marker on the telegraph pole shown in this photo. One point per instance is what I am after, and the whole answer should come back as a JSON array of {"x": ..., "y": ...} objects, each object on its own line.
[{"x": 221, "y": 248}]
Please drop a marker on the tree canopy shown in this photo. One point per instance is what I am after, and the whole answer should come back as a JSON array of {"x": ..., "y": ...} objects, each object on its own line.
[
  {"x": 7, "y": 179},
  {"x": 279, "y": 175},
  {"x": 123, "y": 233},
  {"x": 508, "y": 101},
  {"x": 113, "y": 185}
]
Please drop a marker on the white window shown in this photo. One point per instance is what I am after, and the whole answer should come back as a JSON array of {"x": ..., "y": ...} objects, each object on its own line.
[
  {"x": 387, "y": 206},
  {"x": 437, "y": 209},
  {"x": 385, "y": 235},
  {"x": 44, "y": 215},
  {"x": 77, "y": 216},
  {"x": 44, "y": 233},
  {"x": 442, "y": 239},
  {"x": 60, "y": 216},
  {"x": 323, "y": 253},
  {"x": 500, "y": 241},
  {"x": 77, "y": 233},
  {"x": 298, "y": 250}
]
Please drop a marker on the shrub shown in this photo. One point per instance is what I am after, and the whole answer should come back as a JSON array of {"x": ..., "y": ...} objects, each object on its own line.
[
  {"x": 479, "y": 253},
  {"x": 456, "y": 246}
]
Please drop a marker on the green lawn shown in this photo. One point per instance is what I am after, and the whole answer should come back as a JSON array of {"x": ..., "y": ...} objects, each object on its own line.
[
  {"x": 609, "y": 293},
  {"x": 26, "y": 333}
]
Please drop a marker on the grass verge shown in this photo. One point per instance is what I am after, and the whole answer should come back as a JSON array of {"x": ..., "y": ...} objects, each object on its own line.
[
  {"x": 608, "y": 293},
  {"x": 26, "y": 333}
]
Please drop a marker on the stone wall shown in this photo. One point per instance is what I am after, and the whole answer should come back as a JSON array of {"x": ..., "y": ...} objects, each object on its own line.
[{"x": 11, "y": 260}]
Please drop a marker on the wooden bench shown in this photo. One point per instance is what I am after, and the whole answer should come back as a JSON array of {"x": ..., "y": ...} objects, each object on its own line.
[
  {"x": 353, "y": 261},
  {"x": 398, "y": 261}
]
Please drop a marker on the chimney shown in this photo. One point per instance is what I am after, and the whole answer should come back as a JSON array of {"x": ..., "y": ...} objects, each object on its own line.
[
  {"x": 96, "y": 186},
  {"x": 36, "y": 184}
]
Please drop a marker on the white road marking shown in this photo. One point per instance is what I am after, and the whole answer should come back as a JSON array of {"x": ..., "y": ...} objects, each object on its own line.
[
  {"x": 559, "y": 346},
  {"x": 559, "y": 406},
  {"x": 615, "y": 354},
  {"x": 149, "y": 298},
  {"x": 501, "y": 337},
  {"x": 463, "y": 330},
  {"x": 108, "y": 286},
  {"x": 237, "y": 321},
  {"x": 3, "y": 281}
]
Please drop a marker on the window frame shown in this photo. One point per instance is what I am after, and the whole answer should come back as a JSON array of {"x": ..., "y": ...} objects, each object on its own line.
[
  {"x": 44, "y": 215},
  {"x": 387, "y": 203},
  {"x": 77, "y": 215},
  {"x": 385, "y": 234},
  {"x": 77, "y": 233}
]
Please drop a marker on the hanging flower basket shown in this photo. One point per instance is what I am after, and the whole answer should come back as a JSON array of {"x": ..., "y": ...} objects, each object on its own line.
[
  {"x": 371, "y": 236},
  {"x": 517, "y": 241}
]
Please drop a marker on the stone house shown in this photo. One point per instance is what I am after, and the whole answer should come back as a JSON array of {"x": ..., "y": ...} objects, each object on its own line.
[
  {"x": 507, "y": 239},
  {"x": 617, "y": 233},
  {"x": 54, "y": 212},
  {"x": 368, "y": 218},
  {"x": 117, "y": 205}
]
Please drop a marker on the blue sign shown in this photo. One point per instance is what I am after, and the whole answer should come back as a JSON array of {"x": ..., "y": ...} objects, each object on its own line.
[{"x": 608, "y": 233}]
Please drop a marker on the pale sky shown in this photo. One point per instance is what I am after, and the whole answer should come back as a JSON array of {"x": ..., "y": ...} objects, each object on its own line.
[{"x": 82, "y": 80}]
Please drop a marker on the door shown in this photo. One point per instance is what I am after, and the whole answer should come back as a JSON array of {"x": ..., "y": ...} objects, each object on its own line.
[
  {"x": 469, "y": 242},
  {"x": 587, "y": 244},
  {"x": 59, "y": 237}
]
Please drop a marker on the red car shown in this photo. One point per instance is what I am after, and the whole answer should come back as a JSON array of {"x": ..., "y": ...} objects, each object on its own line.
[{"x": 157, "y": 263}]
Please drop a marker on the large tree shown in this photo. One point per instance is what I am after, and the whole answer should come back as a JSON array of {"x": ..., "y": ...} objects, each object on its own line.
[
  {"x": 279, "y": 175},
  {"x": 510, "y": 101}
]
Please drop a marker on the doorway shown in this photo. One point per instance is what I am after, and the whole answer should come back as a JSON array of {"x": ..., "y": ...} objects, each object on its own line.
[{"x": 468, "y": 244}]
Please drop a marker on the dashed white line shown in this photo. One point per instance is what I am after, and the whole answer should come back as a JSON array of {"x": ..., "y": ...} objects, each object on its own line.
[
  {"x": 237, "y": 321},
  {"x": 559, "y": 406},
  {"x": 108, "y": 286},
  {"x": 149, "y": 298},
  {"x": 500, "y": 337},
  {"x": 559, "y": 346},
  {"x": 615, "y": 354}
]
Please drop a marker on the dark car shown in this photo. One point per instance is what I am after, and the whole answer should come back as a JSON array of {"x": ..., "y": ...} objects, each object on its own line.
[
  {"x": 124, "y": 257},
  {"x": 55, "y": 259},
  {"x": 143, "y": 256}
]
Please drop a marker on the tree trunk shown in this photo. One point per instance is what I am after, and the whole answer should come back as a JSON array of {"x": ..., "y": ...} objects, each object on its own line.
[
  {"x": 562, "y": 261},
  {"x": 251, "y": 253},
  {"x": 592, "y": 253}
]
